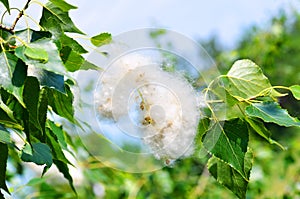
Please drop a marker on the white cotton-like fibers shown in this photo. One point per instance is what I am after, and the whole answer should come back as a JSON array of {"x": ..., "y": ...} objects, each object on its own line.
[{"x": 161, "y": 108}]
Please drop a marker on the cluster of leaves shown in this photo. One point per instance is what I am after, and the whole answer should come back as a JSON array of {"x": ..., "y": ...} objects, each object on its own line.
[
  {"x": 35, "y": 81},
  {"x": 239, "y": 103}
]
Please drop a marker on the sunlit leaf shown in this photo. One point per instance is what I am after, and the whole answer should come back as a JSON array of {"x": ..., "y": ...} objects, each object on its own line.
[
  {"x": 72, "y": 60},
  {"x": 296, "y": 91},
  {"x": 64, "y": 6},
  {"x": 54, "y": 63},
  {"x": 68, "y": 41},
  {"x": 229, "y": 143},
  {"x": 41, "y": 154},
  {"x": 246, "y": 80},
  {"x": 4, "y": 135},
  {"x": 272, "y": 112},
  {"x": 8, "y": 64},
  {"x": 55, "y": 20},
  {"x": 36, "y": 53},
  {"x": 229, "y": 177},
  {"x": 101, "y": 39}
]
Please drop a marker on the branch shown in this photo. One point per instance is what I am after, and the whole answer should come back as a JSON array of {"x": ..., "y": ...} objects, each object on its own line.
[{"x": 21, "y": 13}]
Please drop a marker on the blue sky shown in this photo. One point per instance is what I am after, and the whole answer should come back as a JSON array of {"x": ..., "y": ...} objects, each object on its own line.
[{"x": 194, "y": 18}]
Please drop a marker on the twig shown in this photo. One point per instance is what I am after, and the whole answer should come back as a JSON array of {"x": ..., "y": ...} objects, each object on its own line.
[{"x": 21, "y": 13}]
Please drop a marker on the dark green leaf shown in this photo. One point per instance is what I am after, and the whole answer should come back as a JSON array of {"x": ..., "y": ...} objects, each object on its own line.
[
  {"x": 43, "y": 109},
  {"x": 3, "y": 162},
  {"x": 272, "y": 112},
  {"x": 50, "y": 79},
  {"x": 54, "y": 63},
  {"x": 41, "y": 154},
  {"x": 55, "y": 20},
  {"x": 246, "y": 80},
  {"x": 31, "y": 95},
  {"x": 228, "y": 143},
  {"x": 296, "y": 91},
  {"x": 101, "y": 39},
  {"x": 8, "y": 64},
  {"x": 36, "y": 53},
  {"x": 63, "y": 168},
  {"x": 6, "y": 4},
  {"x": 64, "y": 6},
  {"x": 19, "y": 74},
  {"x": 229, "y": 177},
  {"x": 72, "y": 60},
  {"x": 62, "y": 104}
]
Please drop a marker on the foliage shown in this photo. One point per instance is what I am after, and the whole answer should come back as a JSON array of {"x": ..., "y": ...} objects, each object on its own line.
[{"x": 36, "y": 88}]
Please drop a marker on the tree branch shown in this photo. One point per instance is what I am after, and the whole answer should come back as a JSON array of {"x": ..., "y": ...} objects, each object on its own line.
[{"x": 21, "y": 13}]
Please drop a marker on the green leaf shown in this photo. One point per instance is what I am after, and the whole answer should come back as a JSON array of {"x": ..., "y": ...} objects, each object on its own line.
[
  {"x": 272, "y": 112},
  {"x": 62, "y": 104},
  {"x": 31, "y": 95},
  {"x": 261, "y": 130},
  {"x": 57, "y": 152},
  {"x": 246, "y": 80},
  {"x": 63, "y": 168},
  {"x": 50, "y": 79},
  {"x": 89, "y": 66},
  {"x": 4, "y": 136},
  {"x": 60, "y": 134},
  {"x": 72, "y": 60},
  {"x": 229, "y": 177},
  {"x": 68, "y": 41},
  {"x": 228, "y": 143},
  {"x": 3, "y": 162},
  {"x": 8, "y": 64},
  {"x": 57, "y": 21},
  {"x": 6, "y": 4},
  {"x": 36, "y": 53},
  {"x": 101, "y": 39},
  {"x": 41, "y": 154},
  {"x": 295, "y": 89},
  {"x": 64, "y": 6},
  {"x": 54, "y": 63}
]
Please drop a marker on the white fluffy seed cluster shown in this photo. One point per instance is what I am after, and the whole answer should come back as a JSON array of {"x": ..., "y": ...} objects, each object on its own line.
[{"x": 159, "y": 107}]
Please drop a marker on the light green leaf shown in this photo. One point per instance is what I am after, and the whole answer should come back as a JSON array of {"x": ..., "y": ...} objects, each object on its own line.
[
  {"x": 36, "y": 53},
  {"x": 8, "y": 63},
  {"x": 228, "y": 143},
  {"x": 41, "y": 154},
  {"x": 272, "y": 112},
  {"x": 101, "y": 39},
  {"x": 4, "y": 135},
  {"x": 3, "y": 162},
  {"x": 54, "y": 63},
  {"x": 229, "y": 177},
  {"x": 57, "y": 21},
  {"x": 89, "y": 66},
  {"x": 72, "y": 60},
  {"x": 296, "y": 91},
  {"x": 6, "y": 4},
  {"x": 64, "y": 6},
  {"x": 246, "y": 80}
]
